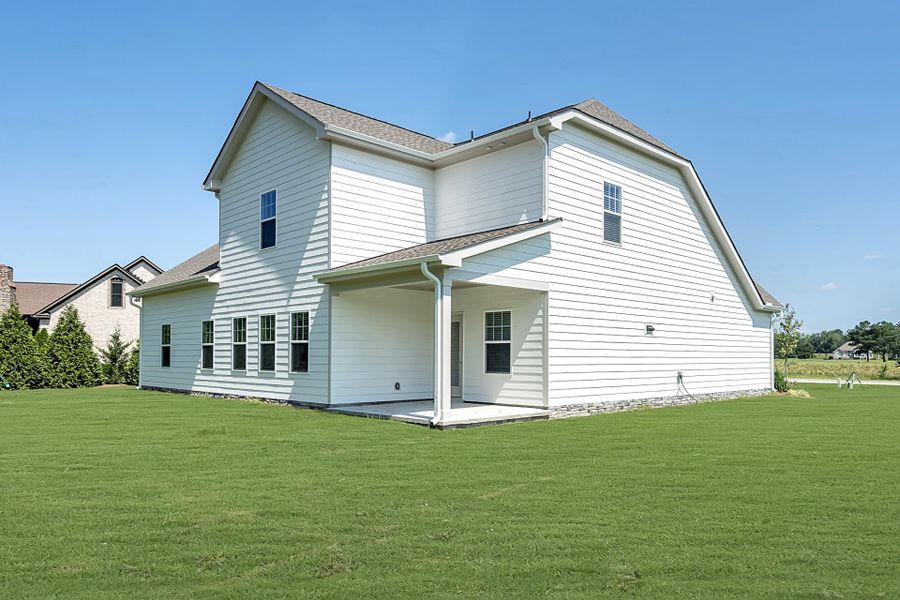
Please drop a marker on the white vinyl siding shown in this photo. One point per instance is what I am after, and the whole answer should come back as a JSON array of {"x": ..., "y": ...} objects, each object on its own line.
[
  {"x": 602, "y": 296},
  {"x": 281, "y": 153},
  {"x": 496, "y": 190},
  {"x": 378, "y": 205}
]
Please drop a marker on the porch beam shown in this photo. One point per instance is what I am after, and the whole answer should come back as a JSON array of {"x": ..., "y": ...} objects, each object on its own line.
[{"x": 500, "y": 280}]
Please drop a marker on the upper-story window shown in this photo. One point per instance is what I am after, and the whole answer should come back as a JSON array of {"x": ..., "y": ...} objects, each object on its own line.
[
  {"x": 116, "y": 297},
  {"x": 612, "y": 213},
  {"x": 268, "y": 209}
]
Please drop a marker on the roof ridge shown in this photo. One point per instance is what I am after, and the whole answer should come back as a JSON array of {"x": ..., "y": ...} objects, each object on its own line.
[{"x": 359, "y": 114}]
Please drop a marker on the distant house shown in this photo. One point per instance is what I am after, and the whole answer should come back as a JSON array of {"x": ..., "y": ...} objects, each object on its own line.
[
  {"x": 101, "y": 301},
  {"x": 848, "y": 351}
]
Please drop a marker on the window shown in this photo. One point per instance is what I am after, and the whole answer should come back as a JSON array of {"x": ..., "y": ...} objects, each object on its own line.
[
  {"x": 267, "y": 211},
  {"x": 497, "y": 336},
  {"x": 300, "y": 342},
  {"x": 166, "y": 346},
  {"x": 207, "y": 337},
  {"x": 239, "y": 344},
  {"x": 267, "y": 343},
  {"x": 612, "y": 213},
  {"x": 116, "y": 299}
]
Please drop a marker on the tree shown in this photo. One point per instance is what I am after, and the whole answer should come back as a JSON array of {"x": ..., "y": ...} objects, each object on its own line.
[
  {"x": 863, "y": 338},
  {"x": 826, "y": 342},
  {"x": 72, "y": 362},
  {"x": 21, "y": 362},
  {"x": 114, "y": 357},
  {"x": 805, "y": 348},
  {"x": 787, "y": 338},
  {"x": 132, "y": 372},
  {"x": 886, "y": 338}
]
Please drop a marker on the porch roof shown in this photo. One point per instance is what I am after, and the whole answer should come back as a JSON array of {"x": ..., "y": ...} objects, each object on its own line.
[{"x": 449, "y": 251}]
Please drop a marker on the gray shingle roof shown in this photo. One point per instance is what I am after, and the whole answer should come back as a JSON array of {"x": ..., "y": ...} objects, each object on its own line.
[
  {"x": 382, "y": 130},
  {"x": 196, "y": 267},
  {"x": 767, "y": 297},
  {"x": 340, "y": 117},
  {"x": 442, "y": 246},
  {"x": 32, "y": 296}
]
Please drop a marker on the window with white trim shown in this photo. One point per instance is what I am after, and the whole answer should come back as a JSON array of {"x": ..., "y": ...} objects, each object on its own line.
[
  {"x": 207, "y": 344},
  {"x": 239, "y": 344},
  {"x": 300, "y": 342},
  {"x": 165, "y": 346},
  {"x": 268, "y": 209},
  {"x": 612, "y": 213},
  {"x": 497, "y": 341},
  {"x": 267, "y": 342},
  {"x": 116, "y": 297}
]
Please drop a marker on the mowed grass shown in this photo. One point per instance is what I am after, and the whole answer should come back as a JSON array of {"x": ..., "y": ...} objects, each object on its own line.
[
  {"x": 115, "y": 493},
  {"x": 817, "y": 368}
]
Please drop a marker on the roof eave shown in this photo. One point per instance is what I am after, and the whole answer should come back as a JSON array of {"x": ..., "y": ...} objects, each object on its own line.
[{"x": 191, "y": 282}]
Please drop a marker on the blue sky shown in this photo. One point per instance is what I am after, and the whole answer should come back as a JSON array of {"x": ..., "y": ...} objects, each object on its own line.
[{"x": 112, "y": 113}]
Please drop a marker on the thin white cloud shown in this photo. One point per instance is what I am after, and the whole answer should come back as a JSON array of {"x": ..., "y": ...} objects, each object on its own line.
[
  {"x": 829, "y": 286},
  {"x": 872, "y": 256},
  {"x": 887, "y": 310},
  {"x": 449, "y": 137}
]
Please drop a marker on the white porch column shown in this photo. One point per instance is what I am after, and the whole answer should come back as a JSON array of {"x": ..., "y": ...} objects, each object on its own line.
[{"x": 446, "y": 310}]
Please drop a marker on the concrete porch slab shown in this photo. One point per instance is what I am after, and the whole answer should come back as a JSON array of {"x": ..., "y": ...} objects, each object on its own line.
[{"x": 462, "y": 414}]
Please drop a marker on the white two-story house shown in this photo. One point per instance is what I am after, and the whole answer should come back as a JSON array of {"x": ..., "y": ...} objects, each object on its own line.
[{"x": 567, "y": 264}]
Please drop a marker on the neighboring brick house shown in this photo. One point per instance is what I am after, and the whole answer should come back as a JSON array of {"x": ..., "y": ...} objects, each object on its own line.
[{"x": 101, "y": 301}]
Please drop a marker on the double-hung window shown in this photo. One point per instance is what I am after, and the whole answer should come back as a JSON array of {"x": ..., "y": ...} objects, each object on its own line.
[
  {"x": 116, "y": 297},
  {"x": 267, "y": 342},
  {"x": 165, "y": 346},
  {"x": 300, "y": 342},
  {"x": 497, "y": 341},
  {"x": 207, "y": 343},
  {"x": 612, "y": 213},
  {"x": 268, "y": 209},
  {"x": 239, "y": 344}
]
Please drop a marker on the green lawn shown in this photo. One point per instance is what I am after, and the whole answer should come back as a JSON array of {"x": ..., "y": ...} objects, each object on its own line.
[
  {"x": 114, "y": 493},
  {"x": 817, "y": 368}
]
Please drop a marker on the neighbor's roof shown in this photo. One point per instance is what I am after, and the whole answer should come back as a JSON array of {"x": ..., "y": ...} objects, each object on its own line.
[
  {"x": 443, "y": 246},
  {"x": 329, "y": 114},
  {"x": 197, "y": 267},
  {"x": 32, "y": 296},
  {"x": 848, "y": 347},
  {"x": 767, "y": 297}
]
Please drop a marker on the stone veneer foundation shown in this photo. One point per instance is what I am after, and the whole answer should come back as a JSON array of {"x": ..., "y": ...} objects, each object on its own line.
[{"x": 597, "y": 408}]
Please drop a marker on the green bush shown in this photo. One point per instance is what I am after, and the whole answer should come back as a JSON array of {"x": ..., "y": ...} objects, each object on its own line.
[
  {"x": 71, "y": 358},
  {"x": 781, "y": 382},
  {"x": 21, "y": 361},
  {"x": 114, "y": 358},
  {"x": 131, "y": 373}
]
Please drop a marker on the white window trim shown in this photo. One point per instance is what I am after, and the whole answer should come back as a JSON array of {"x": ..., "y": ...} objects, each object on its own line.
[
  {"x": 271, "y": 343},
  {"x": 164, "y": 345},
  {"x": 485, "y": 341},
  {"x": 208, "y": 345},
  {"x": 261, "y": 220},
  {"x": 620, "y": 214},
  {"x": 119, "y": 280},
  {"x": 292, "y": 341},
  {"x": 234, "y": 343}
]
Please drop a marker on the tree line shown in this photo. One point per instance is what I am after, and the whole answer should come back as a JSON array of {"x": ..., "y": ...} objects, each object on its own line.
[
  {"x": 64, "y": 358},
  {"x": 880, "y": 339}
]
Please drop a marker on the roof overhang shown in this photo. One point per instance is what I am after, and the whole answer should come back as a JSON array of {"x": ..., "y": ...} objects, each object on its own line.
[
  {"x": 201, "y": 280},
  {"x": 446, "y": 260}
]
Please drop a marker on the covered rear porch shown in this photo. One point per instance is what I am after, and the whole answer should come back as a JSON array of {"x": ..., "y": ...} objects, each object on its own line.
[{"x": 423, "y": 340}]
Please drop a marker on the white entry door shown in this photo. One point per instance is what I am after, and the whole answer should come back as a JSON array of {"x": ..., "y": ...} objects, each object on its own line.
[{"x": 455, "y": 359}]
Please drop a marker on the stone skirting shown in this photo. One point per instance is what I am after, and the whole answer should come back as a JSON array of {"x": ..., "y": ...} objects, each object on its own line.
[
  {"x": 153, "y": 388},
  {"x": 597, "y": 408}
]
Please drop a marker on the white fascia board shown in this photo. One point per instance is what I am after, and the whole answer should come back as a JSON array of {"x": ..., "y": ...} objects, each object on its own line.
[
  {"x": 455, "y": 258},
  {"x": 693, "y": 180},
  {"x": 195, "y": 281},
  {"x": 498, "y": 280},
  {"x": 327, "y": 277},
  {"x": 491, "y": 139}
]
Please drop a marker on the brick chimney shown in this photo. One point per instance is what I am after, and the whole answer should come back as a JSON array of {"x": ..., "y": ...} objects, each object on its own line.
[{"x": 7, "y": 288}]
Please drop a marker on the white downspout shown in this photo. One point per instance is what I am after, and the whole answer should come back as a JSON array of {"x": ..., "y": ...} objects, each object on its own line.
[
  {"x": 438, "y": 342},
  {"x": 139, "y": 306},
  {"x": 545, "y": 206}
]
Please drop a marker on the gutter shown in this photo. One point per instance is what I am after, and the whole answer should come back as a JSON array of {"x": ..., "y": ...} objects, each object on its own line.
[
  {"x": 175, "y": 285},
  {"x": 438, "y": 343}
]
